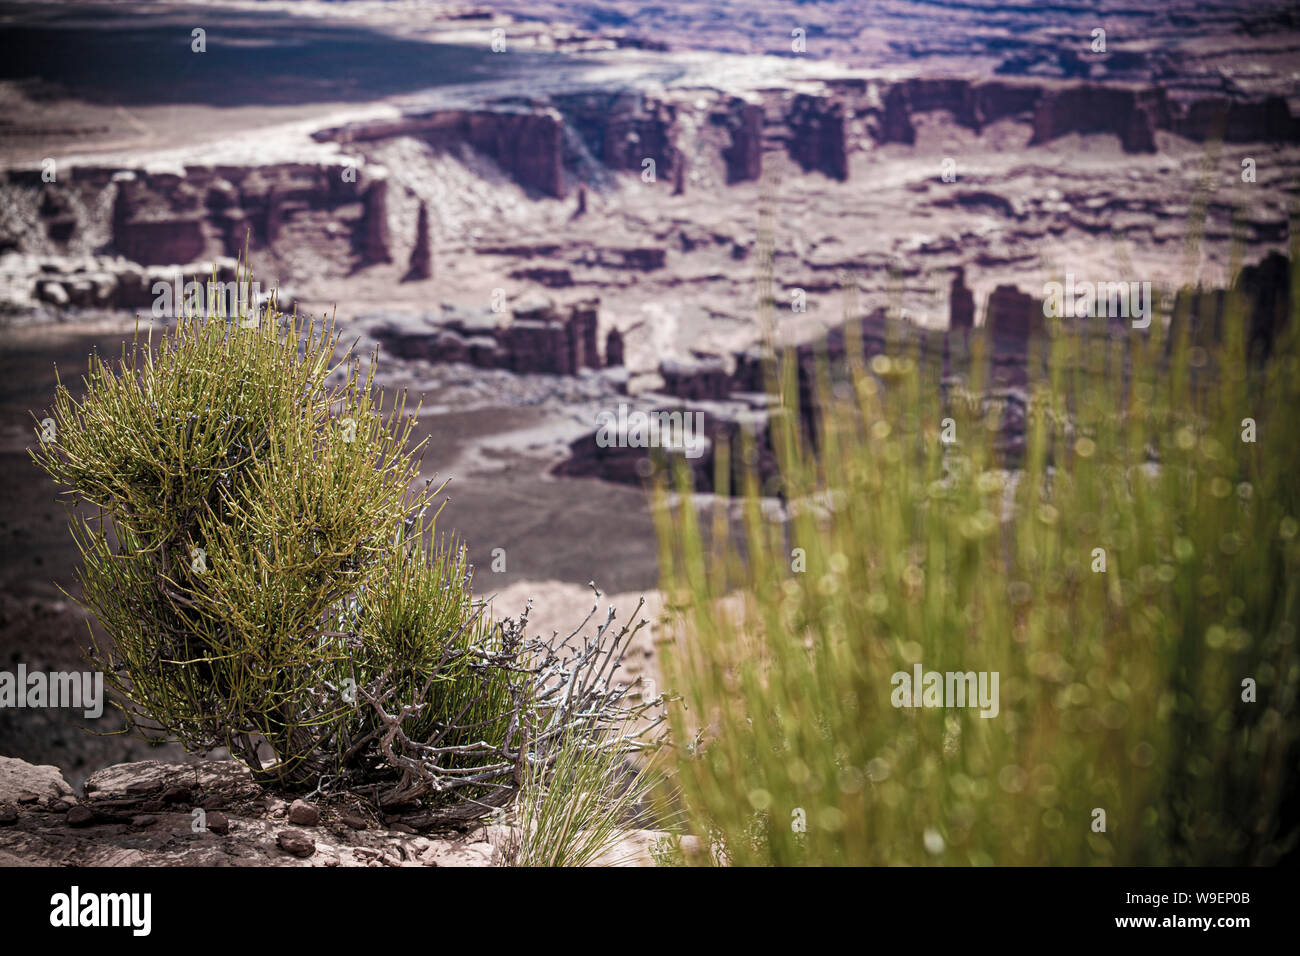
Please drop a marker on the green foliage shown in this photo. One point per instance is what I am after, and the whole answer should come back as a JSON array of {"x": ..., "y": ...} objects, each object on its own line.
[
  {"x": 1120, "y": 690},
  {"x": 266, "y": 576},
  {"x": 576, "y": 813},
  {"x": 242, "y": 513}
]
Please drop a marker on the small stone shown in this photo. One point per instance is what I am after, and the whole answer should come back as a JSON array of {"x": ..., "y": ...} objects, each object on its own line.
[
  {"x": 26, "y": 796},
  {"x": 80, "y": 816},
  {"x": 403, "y": 828},
  {"x": 177, "y": 795},
  {"x": 218, "y": 822},
  {"x": 143, "y": 820},
  {"x": 304, "y": 814},
  {"x": 296, "y": 842},
  {"x": 8, "y": 816},
  {"x": 355, "y": 820}
]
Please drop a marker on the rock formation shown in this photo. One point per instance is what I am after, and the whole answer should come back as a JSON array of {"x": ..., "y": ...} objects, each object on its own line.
[
  {"x": 537, "y": 337},
  {"x": 961, "y": 303},
  {"x": 421, "y": 266}
]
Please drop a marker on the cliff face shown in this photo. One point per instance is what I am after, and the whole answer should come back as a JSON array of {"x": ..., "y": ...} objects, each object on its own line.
[
  {"x": 744, "y": 153},
  {"x": 697, "y": 139},
  {"x": 622, "y": 130},
  {"x": 202, "y": 212},
  {"x": 526, "y": 143},
  {"x": 817, "y": 139},
  {"x": 1132, "y": 115}
]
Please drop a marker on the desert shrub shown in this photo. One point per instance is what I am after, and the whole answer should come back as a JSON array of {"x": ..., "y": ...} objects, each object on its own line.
[
  {"x": 266, "y": 576},
  {"x": 1158, "y": 688}
]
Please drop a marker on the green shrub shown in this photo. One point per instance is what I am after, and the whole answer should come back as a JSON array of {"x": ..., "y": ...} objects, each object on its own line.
[
  {"x": 266, "y": 576},
  {"x": 1121, "y": 690}
]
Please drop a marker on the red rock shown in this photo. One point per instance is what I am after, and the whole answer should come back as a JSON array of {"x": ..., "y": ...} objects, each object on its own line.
[
  {"x": 304, "y": 814},
  {"x": 421, "y": 264},
  {"x": 744, "y": 156},
  {"x": 374, "y": 225},
  {"x": 1013, "y": 315},
  {"x": 817, "y": 135},
  {"x": 161, "y": 242},
  {"x": 296, "y": 842},
  {"x": 1133, "y": 115},
  {"x": 961, "y": 303}
]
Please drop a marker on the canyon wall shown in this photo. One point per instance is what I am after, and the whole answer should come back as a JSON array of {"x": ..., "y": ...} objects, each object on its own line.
[{"x": 340, "y": 213}]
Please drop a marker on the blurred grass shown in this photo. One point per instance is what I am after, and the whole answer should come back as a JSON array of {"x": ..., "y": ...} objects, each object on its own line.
[{"x": 1120, "y": 690}]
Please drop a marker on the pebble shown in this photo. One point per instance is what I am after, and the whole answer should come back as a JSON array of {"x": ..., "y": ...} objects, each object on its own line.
[
  {"x": 296, "y": 842},
  {"x": 304, "y": 814}
]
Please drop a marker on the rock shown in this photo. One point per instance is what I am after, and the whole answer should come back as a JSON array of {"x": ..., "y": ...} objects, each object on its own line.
[
  {"x": 8, "y": 816},
  {"x": 218, "y": 822},
  {"x": 1012, "y": 315},
  {"x": 623, "y": 129},
  {"x": 296, "y": 842},
  {"x": 143, "y": 820},
  {"x": 1132, "y": 115},
  {"x": 374, "y": 225},
  {"x": 24, "y": 783},
  {"x": 161, "y": 242},
  {"x": 961, "y": 303},
  {"x": 701, "y": 378},
  {"x": 176, "y": 794},
  {"x": 744, "y": 155},
  {"x": 646, "y": 259},
  {"x": 552, "y": 277},
  {"x": 614, "y": 348},
  {"x": 528, "y": 146},
  {"x": 304, "y": 814},
  {"x": 817, "y": 135},
  {"x": 354, "y": 820},
  {"x": 52, "y": 292},
  {"x": 1266, "y": 120},
  {"x": 80, "y": 816},
  {"x": 421, "y": 264},
  {"x": 539, "y": 338},
  {"x": 528, "y": 143},
  {"x": 154, "y": 778}
]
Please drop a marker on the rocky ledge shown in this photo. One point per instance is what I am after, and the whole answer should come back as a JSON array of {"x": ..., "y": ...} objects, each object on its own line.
[{"x": 212, "y": 813}]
